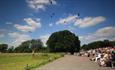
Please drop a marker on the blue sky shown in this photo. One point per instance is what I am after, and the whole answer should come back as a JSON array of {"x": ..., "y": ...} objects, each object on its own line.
[{"x": 22, "y": 20}]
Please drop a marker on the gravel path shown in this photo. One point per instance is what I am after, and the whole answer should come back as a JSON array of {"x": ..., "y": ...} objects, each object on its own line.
[{"x": 71, "y": 62}]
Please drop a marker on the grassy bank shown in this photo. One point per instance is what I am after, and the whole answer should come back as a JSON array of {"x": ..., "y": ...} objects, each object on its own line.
[{"x": 25, "y": 61}]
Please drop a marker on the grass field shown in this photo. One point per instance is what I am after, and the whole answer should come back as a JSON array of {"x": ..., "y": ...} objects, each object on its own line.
[{"x": 25, "y": 61}]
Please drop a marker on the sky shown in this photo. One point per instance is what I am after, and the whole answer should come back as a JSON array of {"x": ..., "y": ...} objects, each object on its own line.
[{"x": 22, "y": 20}]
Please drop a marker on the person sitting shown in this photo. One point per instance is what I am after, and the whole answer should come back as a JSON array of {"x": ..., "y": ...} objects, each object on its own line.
[
  {"x": 108, "y": 58},
  {"x": 102, "y": 61},
  {"x": 98, "y": 56}
]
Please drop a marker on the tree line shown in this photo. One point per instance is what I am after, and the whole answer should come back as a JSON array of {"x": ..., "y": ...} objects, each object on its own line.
[
  {"x": 61, "y": 41},
  {"x": 98, "y": 44},
  {"x": 25, "y": 47}
]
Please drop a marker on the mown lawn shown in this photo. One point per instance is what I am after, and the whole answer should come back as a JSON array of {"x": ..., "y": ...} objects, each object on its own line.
[{"x": 25, "y": 61}]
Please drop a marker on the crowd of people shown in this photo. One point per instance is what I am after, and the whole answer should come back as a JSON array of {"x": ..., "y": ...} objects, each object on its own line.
[{"x": 103, "y": 56}]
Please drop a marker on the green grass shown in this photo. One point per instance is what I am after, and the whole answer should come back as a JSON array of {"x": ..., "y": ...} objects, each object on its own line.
[{"x": 25, "y": 61}]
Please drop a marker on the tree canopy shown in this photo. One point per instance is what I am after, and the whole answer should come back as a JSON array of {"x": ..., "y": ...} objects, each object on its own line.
[
  {"x": 29, "y": 46},
  {"x": 63, "y": 41}
]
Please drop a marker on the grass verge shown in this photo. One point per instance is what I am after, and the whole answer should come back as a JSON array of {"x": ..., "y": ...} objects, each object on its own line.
[{"x": 25, "y": 61}]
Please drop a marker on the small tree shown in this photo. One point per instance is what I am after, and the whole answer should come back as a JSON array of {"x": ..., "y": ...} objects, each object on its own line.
[{"x": 36, "y": 45}]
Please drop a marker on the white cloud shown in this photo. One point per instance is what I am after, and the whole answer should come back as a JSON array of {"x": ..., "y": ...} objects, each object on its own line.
[
  {"x": 80, "y": 37},
  {"x": 106, "y": 31},
  {"x": 100, "y": 34},
  {"x": 24, "y": 28},
  {"x": 67, "y": 20},
  {"x": 40, "y": 4},
  {"x": 3, "y": 32},
  {"x": 14, "y": 34},
  {"x": 9, "y": 23},
  {"x": 82, "y": 23},
  {"x": 89, "y": 21},
  {"x": 44, "y": 38},
  {"x": 32, "y": 25},
  {"x": 38, "y": 19},
  {"x": 18, "y": 38},
  {"x": 50, "y": 25},
  {"x": 90, "y": 38}
]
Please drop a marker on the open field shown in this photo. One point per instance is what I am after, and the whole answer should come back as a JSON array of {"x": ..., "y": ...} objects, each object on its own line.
[{"x": 25, "y": 61}]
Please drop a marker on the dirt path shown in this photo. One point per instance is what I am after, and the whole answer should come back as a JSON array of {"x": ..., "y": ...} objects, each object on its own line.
[{"x": 70, "y": 62}]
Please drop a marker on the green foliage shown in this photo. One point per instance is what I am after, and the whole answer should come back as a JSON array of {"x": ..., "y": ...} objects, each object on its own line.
[
  {"x": 44, "y": 49},
  {"x": 27, "y": 67},
  {"x": 29, "y": 46},
  {"x": 36, "y": 45},
  {"x": 3, "y": 47},
  {"x": 10, "y": 50},
  {"x": 98, "y": 44},
  {"x": 112, "y": 43},
  {"x": 63, "y": 41}
]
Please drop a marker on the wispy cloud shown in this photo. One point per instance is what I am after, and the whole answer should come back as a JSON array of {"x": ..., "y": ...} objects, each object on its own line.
[
  {"x": 3, "y": 32},
  {"x": 81, "y": 22},
  {"x": 50, "y": 25},
  {"x": 106, "y": 31},
  {"x": 31, "y": 25},
  {"x": 9, "y": 23},
  {"x": 67, "y": 20},
  {"x": 18, "y": 38},
  {"x": 100, "y": 34},
  {"x": 89, "y": 21},
  {"x": 40, "y": 4}
]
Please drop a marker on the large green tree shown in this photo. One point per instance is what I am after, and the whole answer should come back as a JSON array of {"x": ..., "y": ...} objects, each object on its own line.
[{"x": 63, "y": 41}]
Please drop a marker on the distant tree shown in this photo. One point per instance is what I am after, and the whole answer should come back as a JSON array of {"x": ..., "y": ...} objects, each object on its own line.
[
  {"x": 106, "y": 43},
  {"x": 98, "y": 44},
  {"x": 84, "y": 47},
  {"x": 29, "y": 46},
  {"x": 23, "y": 48},
  {"x": 3, "y": 48},
  {"x": 36, "y": 45},
  {"x": 11, "y": 49},
  {"x": 112, "y": 43},
  {"x": 63, "y": 41}
]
